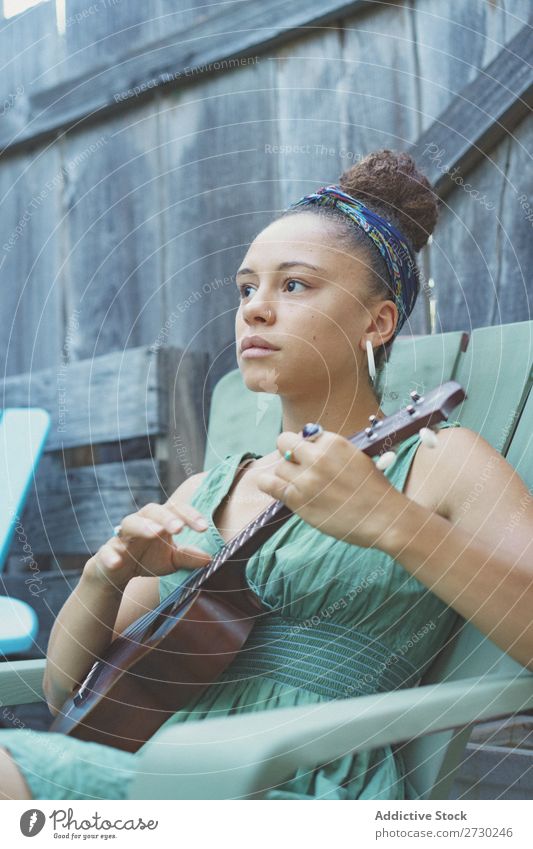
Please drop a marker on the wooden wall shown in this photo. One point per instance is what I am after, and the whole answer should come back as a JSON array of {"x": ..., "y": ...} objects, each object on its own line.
[{"x": 126, "y": 229}]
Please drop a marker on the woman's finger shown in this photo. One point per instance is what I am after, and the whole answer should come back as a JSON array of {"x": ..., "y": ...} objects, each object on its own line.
[
  {"x": 136, "y": 526},
  {"x": 189, "y": 557},
  {"x": 305, "y": 452},
  {"x": 187, "y": 514},
  {"x": 278, "y": 488},
  {"x": 109, "y": 555}
]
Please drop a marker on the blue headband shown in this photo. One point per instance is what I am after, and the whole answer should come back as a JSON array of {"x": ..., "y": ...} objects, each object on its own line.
[{"x": 401, "y": 264}]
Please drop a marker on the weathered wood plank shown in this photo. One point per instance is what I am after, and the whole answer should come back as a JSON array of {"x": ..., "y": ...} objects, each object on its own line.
[
  {"x": 482, "y": 244},
  {"x": 171, "y": 15},
  {"x": 464, "y": 258},
  {"x": 96, "y": 31},
  {"x": 93, "y": 400},
  {"x": 93, "y": 32},
  {"x": 305, "y": 140},
  {"x": 473, "y": 245},
  {"x": 452, "y": 49},
  {"x": 378, "y": 100},
  {"x": 31, "y": 330},
  {"x": 113, "y": 397},
  {"x": 514, "y": 209},
  {"x": 184, "y": 415},
  {"x": 74, "y": 511},
  {"x": 113, "y": 228},
  {"x": 234, "y": 33},
  {"x": 31, "y": 53},
  {"x": 218, "y": 194},
  {"x": 484, "y": 113}
]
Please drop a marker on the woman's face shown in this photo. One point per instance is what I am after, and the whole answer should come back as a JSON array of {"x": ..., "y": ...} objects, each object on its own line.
[{"x": 318, "y": 318}]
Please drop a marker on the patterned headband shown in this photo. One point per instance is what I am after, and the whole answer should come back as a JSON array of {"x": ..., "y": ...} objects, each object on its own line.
[{"x": 401, "y": 264}]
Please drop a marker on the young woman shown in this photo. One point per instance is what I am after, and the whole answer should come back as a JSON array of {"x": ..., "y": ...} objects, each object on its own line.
[{"x": 366, "y": 580}]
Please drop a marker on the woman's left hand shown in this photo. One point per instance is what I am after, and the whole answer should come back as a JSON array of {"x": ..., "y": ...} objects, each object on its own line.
[{"x": 335, "y": 487}]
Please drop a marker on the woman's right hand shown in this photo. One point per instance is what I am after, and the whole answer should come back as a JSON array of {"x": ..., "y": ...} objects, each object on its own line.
[{"x": 146, "y": 546}]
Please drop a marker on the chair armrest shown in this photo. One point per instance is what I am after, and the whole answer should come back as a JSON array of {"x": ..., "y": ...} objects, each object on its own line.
[
  {"x": 244, "y": 755},
  {"x": 21, "y": 681}
]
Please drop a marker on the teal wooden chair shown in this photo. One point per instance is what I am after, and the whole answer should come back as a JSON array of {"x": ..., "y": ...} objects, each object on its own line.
[
  {"x": 23, "y": 433},
  {"x": 470, "y": 680}
]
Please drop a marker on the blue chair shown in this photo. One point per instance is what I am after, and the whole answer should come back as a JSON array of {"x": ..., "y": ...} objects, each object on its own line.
[{"x": 23, "y": 432}]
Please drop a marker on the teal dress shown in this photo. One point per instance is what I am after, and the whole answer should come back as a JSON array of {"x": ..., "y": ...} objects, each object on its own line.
[{"x": 344, "y": 621}]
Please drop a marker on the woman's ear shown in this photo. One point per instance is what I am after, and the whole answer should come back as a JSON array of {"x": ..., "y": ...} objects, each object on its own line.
[{"x": 382, "y": 324}]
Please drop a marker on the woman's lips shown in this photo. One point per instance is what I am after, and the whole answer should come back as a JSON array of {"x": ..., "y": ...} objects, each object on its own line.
[{"x": 250, "y": 353}]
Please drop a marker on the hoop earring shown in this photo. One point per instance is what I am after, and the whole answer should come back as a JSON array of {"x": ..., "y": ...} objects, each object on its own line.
[{"x": 371, "y": 360}]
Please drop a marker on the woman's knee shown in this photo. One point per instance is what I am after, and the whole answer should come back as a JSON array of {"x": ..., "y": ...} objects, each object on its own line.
[{"x": 12, "y": 782}]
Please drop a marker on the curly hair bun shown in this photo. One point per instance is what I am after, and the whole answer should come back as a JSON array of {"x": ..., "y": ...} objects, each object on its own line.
[{"x": 389, "y": 183}]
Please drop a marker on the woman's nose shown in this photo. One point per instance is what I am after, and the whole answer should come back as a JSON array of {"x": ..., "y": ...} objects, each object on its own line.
[{"x": 258, "y": 309}]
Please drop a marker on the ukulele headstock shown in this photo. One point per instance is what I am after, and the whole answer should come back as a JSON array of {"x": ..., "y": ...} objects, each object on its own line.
[{"x": 424, "y": 411}]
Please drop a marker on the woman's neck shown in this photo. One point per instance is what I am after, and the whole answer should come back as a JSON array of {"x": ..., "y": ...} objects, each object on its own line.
[{"x": 347, "y": 415}]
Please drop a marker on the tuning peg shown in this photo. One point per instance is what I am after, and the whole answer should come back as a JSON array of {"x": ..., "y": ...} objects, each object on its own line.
[
  {"x": 374, "y": 423},
  {"x": 428, "y": 437},
  {"x": 386, "y": 460}
]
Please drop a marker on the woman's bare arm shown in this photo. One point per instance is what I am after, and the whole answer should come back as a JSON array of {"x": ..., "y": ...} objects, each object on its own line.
[
  {"x": 480, "y": 559},
  {"x": 103, "y": 603},
  {"x": 81, "y": 633}
]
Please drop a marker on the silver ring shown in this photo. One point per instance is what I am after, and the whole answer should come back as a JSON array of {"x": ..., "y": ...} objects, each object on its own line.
[{"x": 117, "y": 530}]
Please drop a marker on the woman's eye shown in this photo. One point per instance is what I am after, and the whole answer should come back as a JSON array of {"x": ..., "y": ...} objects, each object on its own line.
[
  {"x": 242, "y": 289},
  {"x": 292, "y": 280}
]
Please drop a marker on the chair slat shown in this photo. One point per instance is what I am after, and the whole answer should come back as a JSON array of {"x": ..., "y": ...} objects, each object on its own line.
[
  {"x": 421, "y": 363},
  {"x": 21, "y": 681},
  {"x": 241, "y": 420},
  {"x": 23, "y": 433},
  {"x": 495, "y": 372},
  {"x": 520, "y": 454}
]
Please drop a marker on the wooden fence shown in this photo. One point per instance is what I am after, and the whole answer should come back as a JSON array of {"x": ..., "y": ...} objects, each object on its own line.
[{"x": 141, "y": 151}]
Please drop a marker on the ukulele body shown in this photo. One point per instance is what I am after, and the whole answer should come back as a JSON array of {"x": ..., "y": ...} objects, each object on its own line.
[{"x": 140, "y": 682}]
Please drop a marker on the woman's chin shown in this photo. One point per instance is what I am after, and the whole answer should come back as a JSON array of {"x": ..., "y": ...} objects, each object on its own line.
[
  {"x": 258, "y": 377},
  {"x": 265, "y": 384}
]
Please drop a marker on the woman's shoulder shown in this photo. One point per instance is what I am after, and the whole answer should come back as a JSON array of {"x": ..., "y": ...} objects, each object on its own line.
[
  {"x": 190, "y": 485},
  {"x": 208, "y": 478},
  {"x": 443, "y": 473}
]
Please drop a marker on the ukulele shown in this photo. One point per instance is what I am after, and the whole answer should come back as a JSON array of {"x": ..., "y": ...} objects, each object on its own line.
[{"x": 173, "y": 653}]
